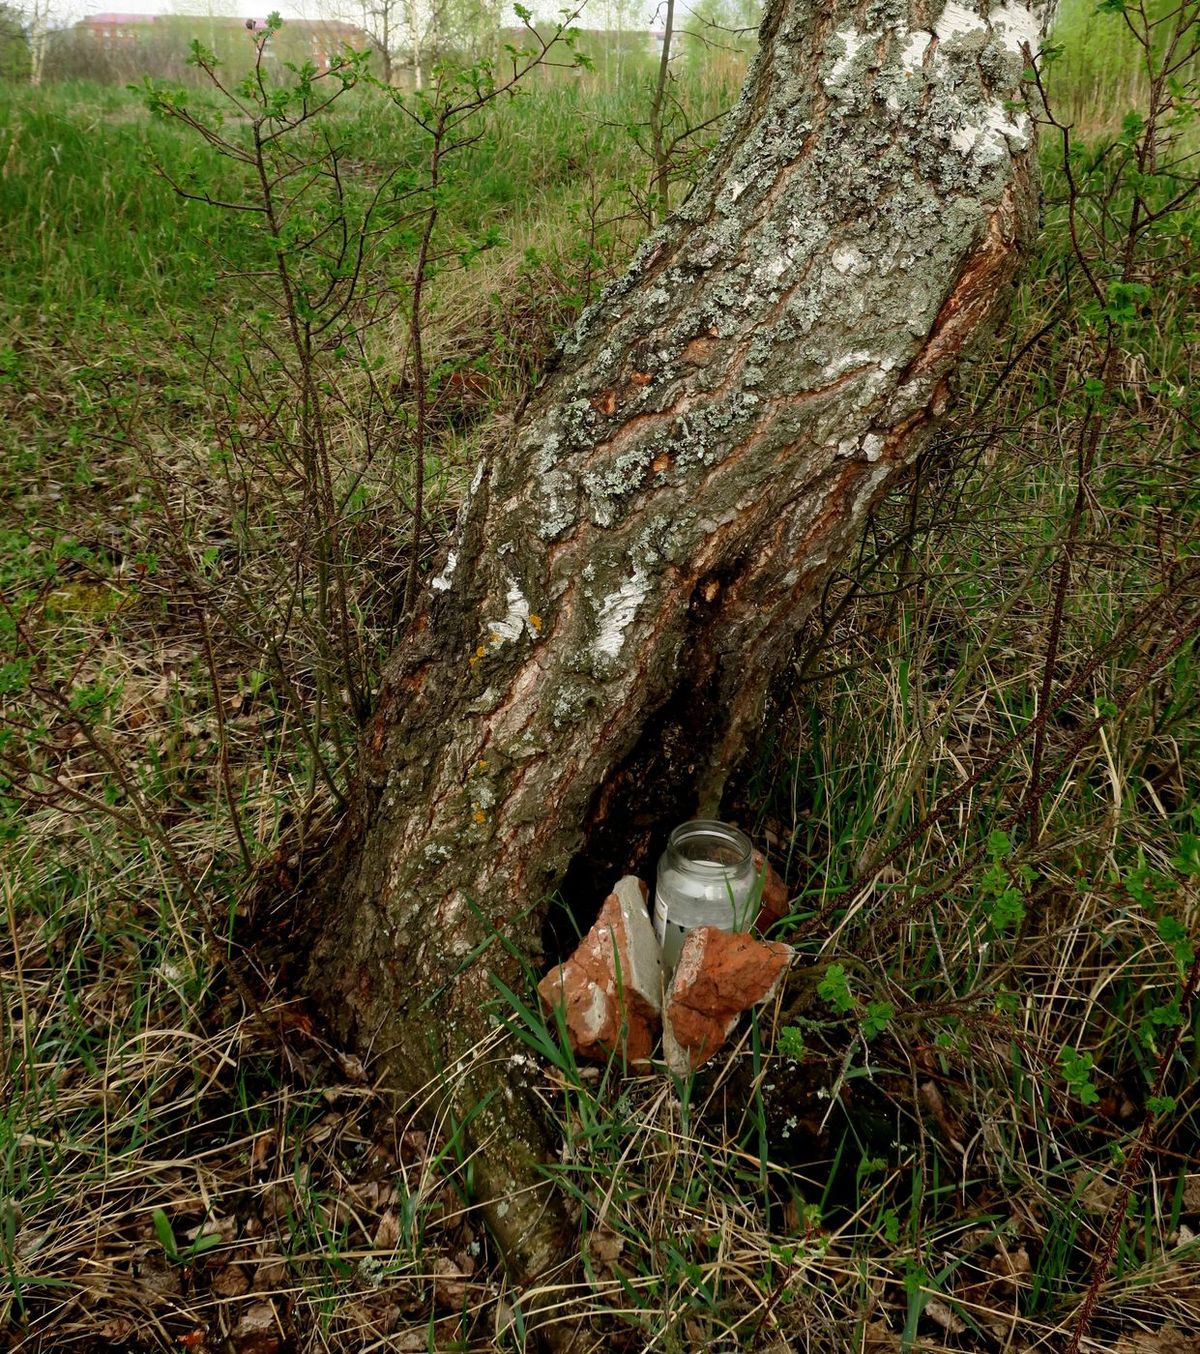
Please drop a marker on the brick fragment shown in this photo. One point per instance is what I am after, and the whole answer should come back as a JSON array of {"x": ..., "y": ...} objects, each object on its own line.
[
  {"x": 719, "y": 975},
  {"x": 610, "y": 989}
]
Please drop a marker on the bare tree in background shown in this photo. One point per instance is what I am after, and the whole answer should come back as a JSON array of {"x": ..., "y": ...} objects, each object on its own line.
[{"x": 34, "y": 19}]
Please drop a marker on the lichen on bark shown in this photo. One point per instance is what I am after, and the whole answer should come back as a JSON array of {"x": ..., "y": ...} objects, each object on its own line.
[{"x": 628, "y": 576}]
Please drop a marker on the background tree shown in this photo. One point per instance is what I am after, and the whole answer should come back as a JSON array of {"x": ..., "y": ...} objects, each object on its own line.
[
  {"x": 32, "y": 18},
  {"x": 627, "y": 578},
  {"x": 14, "y": 45},
  {"x": 403, "y": 32}
]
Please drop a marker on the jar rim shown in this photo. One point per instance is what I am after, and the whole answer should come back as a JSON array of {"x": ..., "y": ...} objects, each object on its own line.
[{"x": 724, "y": 833}]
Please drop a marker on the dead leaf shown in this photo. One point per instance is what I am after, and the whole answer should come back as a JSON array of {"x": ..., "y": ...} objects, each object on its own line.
[
  {"x": 604, "y": 1247},
  {"x": 450, "y": 1287},
  {"x": 258, "y": 1331},
  {"x": 387, "y": 1234}
]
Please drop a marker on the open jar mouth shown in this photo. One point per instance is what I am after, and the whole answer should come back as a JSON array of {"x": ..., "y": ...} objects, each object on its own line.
[{"x": 708, "y": 846}]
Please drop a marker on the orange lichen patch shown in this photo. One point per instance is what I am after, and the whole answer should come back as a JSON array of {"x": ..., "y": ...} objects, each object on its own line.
[
  {"x": 660, "y": 463},
  {"x": 699, "y": 351},
  {"x": 605, "y": 403},
  {"x": 479, "y": 816},
  {"x": 534, "y": 622},
  {"x": 710, "y": 590},
  {"x": 640, "y": 378}
]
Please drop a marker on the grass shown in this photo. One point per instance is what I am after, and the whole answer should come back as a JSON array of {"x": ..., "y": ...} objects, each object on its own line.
[
  {"x": 948, "y": 1108},
  {"x": 1102, "y": 68}
]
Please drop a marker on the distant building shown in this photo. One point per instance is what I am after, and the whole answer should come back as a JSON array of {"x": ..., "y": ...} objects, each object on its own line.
[
  {"x": 315, "y": 40},
  {"x": 115, "y": 31}
]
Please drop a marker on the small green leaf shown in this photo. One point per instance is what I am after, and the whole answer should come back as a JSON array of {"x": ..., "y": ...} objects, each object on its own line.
[
  {"x": 166, "y": 1234},
  {"x": 205, "y": 1242},
  {"x": 834, "y": 990},
  {"x": 877, "y": 1019}
]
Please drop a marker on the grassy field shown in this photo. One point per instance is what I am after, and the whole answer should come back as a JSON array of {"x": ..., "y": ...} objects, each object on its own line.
[{"x": 981, "y": 1130}]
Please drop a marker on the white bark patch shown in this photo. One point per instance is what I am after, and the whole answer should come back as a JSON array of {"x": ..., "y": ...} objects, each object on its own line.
[
  {"x": 852, "y": 43},
  {"x": 1018, "y": 27},
  {"x": 955, "y": 20},
  {"x": 514, "y": 623},
  {"x": 912, "y": 58},
  {"x": 847, "y": 259},
  {"x": 616, "y": 612},
  {"x": 846, "y": 362},
  {"x": 442, "y": 582}
]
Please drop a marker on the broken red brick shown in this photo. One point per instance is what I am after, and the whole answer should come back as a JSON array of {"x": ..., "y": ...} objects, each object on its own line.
[
  {"x": 775, "y": 899},
  {"x": 719, "y": 975},
  {"x": 610, "y": 989}
]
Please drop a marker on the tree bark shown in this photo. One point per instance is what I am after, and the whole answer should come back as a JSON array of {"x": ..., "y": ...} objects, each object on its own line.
[{"x": 628, "y": 578}]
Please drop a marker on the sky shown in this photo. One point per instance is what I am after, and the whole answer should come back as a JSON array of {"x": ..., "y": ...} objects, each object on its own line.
[{"x": 68, "y": 11}]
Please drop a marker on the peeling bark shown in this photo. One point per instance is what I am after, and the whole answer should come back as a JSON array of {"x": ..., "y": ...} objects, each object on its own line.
[{"x": 628, "y": 578}]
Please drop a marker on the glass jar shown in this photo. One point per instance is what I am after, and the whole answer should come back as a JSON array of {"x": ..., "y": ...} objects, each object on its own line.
[{"x": 705, "y": 878}]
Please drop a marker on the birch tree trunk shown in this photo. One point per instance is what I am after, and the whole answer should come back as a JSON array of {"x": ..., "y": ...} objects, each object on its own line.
[{"x": 628, "y": 579}]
